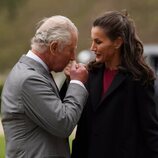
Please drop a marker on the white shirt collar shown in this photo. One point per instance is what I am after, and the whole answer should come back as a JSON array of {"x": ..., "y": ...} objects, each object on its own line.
[{"x": 33, "y": 56}]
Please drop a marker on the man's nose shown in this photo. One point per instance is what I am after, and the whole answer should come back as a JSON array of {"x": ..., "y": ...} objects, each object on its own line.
[{"x": 73, "y": 56}]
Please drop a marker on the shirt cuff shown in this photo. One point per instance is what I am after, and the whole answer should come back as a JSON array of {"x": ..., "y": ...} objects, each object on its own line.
[{"x": 78, "y": 82}]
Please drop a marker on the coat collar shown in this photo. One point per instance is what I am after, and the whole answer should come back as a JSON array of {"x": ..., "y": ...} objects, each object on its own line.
[
  {"x": 117, "y": 81},
  {"x": 38, "y": 67},
  {"x": 97, "y": 84}
]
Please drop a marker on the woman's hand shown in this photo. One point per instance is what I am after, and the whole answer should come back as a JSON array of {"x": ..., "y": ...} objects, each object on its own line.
[{"x": 67, "y": 69}]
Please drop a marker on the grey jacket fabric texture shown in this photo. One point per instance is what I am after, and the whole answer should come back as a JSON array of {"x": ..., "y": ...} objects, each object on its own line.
[{"x": 36, "y": 121}]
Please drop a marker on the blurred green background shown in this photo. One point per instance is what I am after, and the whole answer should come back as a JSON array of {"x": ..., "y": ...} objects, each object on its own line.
[{"x": 18, "y": 19}]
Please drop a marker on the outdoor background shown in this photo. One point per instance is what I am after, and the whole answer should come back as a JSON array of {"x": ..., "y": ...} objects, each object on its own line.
[{"x": 18, "y": 19}]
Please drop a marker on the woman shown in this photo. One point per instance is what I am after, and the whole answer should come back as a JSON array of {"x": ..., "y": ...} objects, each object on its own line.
[{"x": 119, "y": 119}]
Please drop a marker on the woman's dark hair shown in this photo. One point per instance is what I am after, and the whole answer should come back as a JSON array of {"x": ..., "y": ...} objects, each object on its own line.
[{"x": 118, "y": 24}]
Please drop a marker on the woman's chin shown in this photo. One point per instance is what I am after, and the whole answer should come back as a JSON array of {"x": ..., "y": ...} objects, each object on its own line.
[{"x": 99, "y": 61}]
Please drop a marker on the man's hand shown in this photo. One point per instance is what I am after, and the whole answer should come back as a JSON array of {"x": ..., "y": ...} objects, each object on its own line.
[
  {"x": 78, "y": 72},
  {"x": 67, "y": 69}
]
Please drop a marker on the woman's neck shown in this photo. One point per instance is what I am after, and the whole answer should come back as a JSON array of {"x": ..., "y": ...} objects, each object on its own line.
[
  {"x": 114, "y": 63},
  {"x": 112, "y": 66}
]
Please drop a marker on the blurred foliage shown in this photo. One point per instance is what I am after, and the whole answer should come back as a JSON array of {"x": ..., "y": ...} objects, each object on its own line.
[
  {"x": 11, "y": 7},
  {"x": 18, "y": 19},
  {"x": 2, "y": 146},
  {"x": 1, "y": 86}
]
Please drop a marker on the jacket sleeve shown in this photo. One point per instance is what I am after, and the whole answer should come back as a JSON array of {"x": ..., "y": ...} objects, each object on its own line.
[
  {"x": 148, "y": 114},
  {"x": 46, "y": 109}
]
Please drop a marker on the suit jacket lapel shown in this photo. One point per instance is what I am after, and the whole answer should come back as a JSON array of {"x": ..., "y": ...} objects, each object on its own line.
[{"x": 40, "y": 69}]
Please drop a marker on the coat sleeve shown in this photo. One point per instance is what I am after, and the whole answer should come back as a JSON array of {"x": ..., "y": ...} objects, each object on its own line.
[
  {"x": 148, "y": 112},
  {"x": 46, "y": 109}
]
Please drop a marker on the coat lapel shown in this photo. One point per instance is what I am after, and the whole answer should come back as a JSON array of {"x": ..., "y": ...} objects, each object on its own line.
[
  {"x": 40, "y": 69},
  {"x": 95, "y": 87},
  {"x": 118, "y": 80}
]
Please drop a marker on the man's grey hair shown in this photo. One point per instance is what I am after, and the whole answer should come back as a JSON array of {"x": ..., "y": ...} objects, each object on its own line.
[{"x": 56, "y": 28}]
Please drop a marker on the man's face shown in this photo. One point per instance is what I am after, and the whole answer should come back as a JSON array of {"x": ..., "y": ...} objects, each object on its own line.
[{"x": 64, "y": 56}]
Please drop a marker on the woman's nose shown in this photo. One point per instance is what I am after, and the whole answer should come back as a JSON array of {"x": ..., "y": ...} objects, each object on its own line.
[{"x": 93, "y": 48}]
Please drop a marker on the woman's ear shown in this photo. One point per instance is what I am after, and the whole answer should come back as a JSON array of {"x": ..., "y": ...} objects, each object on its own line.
[
  {"x": 118, "y": 42},
  {"x": 54, "y": 47}
]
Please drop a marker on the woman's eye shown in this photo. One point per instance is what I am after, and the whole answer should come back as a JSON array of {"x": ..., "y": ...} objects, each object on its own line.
[{"x": 98, "y": 42}]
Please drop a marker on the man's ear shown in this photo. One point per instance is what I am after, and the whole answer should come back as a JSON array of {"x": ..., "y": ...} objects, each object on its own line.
[
  {"x": 118, "y": 42},
  {"x": 54, "y": 47}
]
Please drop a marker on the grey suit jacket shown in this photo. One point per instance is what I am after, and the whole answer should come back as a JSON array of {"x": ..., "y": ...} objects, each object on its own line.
[{"x": 36, "y": 122}]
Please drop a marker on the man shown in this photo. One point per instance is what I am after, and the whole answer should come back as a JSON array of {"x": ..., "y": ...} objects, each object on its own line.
[{"x": 36, "y": 121}]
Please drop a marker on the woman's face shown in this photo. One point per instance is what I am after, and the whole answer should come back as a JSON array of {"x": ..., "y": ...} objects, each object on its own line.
[{"x": 105, "y": 49}]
